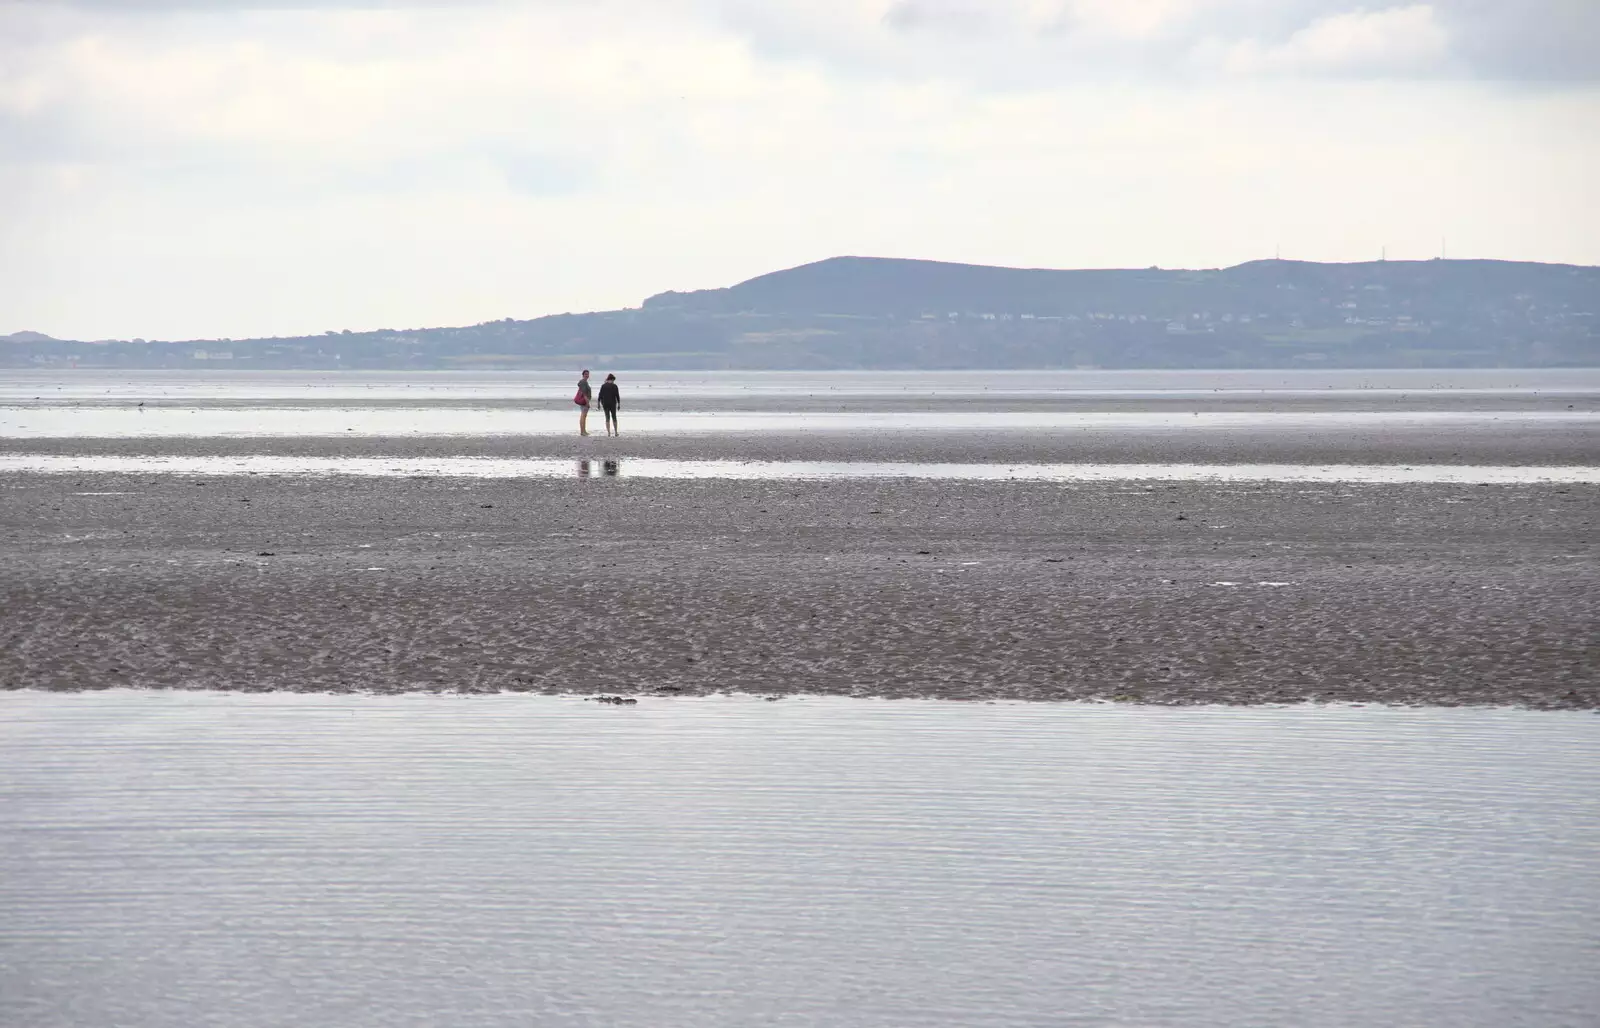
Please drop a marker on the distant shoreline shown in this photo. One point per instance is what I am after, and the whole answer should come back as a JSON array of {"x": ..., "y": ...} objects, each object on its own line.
[{"x": 882, "y": 313}]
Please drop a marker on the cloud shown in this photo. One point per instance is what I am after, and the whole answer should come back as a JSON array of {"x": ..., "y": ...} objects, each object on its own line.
[
  {"x": 1010, "y": 43},
  {"x": 1540, "y": 41},
  {"x": 227, "y": 169},
  {"x": 1396, "y": 41}
]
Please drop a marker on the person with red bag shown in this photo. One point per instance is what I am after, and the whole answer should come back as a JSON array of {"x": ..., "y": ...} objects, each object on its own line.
[{"x": 582, "y": 399}]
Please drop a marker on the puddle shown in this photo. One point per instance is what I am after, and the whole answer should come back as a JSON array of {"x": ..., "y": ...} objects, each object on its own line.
[
  {"x": 199, "y": 858},
  {"x": 650, "y": 467}
]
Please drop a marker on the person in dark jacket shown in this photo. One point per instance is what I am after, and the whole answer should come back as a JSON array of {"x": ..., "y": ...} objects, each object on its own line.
[{"x": 610, "y": 400}]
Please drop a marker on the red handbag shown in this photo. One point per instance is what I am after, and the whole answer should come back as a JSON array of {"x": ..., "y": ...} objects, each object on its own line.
[{"x": 580, "y": 399}]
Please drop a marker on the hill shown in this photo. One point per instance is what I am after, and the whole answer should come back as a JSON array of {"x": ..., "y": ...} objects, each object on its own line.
[{"x": 865, "y": 312}]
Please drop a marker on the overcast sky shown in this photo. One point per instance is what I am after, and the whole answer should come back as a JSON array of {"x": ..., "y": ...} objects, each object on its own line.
[{"x": 226, "y": 169}]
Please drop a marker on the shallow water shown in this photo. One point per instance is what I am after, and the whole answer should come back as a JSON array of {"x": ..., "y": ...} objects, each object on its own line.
[
  {"x": 44, "y": 422},
  {"x": 652, "y": 467},
  {"x": 187, "y": 404},
  {"x": 100, "y": 384},
  {"x": 191, "y": 858}
]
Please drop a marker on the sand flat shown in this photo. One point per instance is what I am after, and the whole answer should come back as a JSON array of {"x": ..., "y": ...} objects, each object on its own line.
[{"x": 1166, "y": 593}]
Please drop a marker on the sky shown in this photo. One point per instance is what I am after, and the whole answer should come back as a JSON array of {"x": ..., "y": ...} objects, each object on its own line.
[{"x": 198, "y": 169}]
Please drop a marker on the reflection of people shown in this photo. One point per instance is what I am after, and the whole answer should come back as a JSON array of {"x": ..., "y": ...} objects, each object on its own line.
[
  {"x": 583, "y": 469},
  {"x": 610, "y": 400},
  {"x": 610, "y": 468},
  {"x": 583, "y": 398}
]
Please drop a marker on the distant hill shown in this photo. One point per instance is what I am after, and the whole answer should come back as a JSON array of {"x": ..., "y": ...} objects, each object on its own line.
[
  {"x": 908, "y": 288},
  {"x": 866, "y": 312}
]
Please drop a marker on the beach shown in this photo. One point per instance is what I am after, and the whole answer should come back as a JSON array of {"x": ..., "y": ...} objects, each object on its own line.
[
  {"x": 1407, "y": 537},
  {"x": 1102, "y": 533},
  {"x": 1165, "y": 709},
  {"x": 1158, "y": 592}
]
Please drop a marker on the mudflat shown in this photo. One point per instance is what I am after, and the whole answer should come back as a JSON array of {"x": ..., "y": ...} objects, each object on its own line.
[{"x": 1203, "y": 592}]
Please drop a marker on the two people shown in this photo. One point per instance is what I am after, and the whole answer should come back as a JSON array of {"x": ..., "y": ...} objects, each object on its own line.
[{"x": 610, "y": 400}]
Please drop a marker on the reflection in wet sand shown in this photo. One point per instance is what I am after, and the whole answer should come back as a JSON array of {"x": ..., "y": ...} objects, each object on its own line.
[{"x": 608, "y": 468}]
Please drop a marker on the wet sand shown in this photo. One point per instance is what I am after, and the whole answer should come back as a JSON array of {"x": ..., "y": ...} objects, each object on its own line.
[
  {"x": 1481, "y": 442},
  {"x": 1165, "y": 593}
]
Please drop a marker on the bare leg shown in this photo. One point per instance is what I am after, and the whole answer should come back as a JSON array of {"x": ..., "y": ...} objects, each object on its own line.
[{"x": 583, "y": 421}]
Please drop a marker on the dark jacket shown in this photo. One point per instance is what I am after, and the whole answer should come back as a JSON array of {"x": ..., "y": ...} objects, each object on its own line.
[{"x": 610, "y": 396}]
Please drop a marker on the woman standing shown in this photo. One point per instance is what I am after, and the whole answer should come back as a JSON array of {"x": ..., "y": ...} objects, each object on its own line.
[
  {"x": 610, "y": 400},
  {"x": 583, "y": 398}
]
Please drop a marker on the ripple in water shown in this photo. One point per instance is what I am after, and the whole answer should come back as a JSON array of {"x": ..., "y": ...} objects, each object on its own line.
[{"x": 192, "y": 858}]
